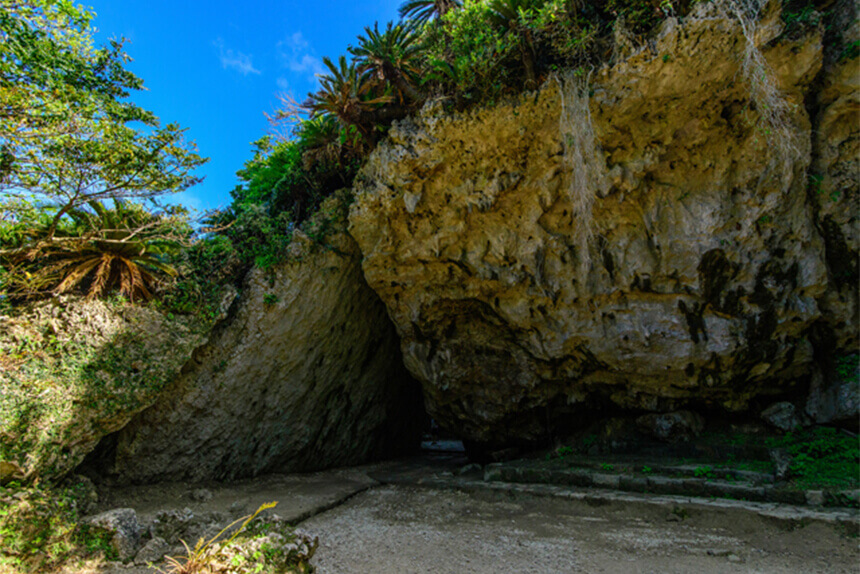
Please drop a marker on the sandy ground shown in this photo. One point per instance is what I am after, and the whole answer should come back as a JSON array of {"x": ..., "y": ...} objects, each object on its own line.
[
  {"x": 418, "y": 516},
  {"x": 406, "y": 530}
]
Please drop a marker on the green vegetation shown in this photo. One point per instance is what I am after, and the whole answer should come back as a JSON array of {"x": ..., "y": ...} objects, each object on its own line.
[
  {"x": 72, "y": 140},
  {"x": 822, "y": 457},
  {"x": 848, "y": 367},
  {"x": 63, "y": 390},
  {"x": 38, "y": 526},
  {"x": 257, "y": 545},
  {"x": 97, "y": 248},
  {"x": 704, "y": 472},
  {"x": 560, "y": 452},
  {"x": 69, "y": 133}
]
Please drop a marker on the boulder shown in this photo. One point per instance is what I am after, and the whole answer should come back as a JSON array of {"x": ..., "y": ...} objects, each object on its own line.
[
  {"x": 683, "y": 268},
  {"x": 783, "y": 416},
  {"x": 152, "y": 551},
  {"x": 305, "y": 374},
  {"x": 123, "y": 527}
]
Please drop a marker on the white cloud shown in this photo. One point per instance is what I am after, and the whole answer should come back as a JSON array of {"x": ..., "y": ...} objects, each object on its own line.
[
  {"x": 235, "y": 60},
  {"x": 297, "y": 56},
  {"x": 283, "y": 84}
]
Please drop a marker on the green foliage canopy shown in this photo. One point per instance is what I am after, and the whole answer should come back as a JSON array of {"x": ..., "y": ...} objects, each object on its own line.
[{"x": 68, "y": 134}]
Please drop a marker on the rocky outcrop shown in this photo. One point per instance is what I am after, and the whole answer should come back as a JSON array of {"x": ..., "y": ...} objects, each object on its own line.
[
  {"x": 691, "y": 277},
  {"x": 73, "y": 370},
  {"x": 306, "y": 374}
]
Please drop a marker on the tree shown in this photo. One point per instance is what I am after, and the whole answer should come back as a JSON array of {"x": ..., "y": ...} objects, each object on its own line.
[
  {"x": 347, "y": 94},
  {"x": 391, "y": 58},
  {"x": 66, "y": 137},
  {"x": 422, "y": 11}
]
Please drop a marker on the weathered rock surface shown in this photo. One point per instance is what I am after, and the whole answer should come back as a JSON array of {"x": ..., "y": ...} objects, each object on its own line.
[
  {"x": 152, "y": 551},
  {"x": 73, "y": 370},
  {"x": 704, "y": 268},
  {"x": 307, "y": 374},
  {"x": 678, "y": 425},
  {"x": 835, "y": 176},
  {"x": 836, "y": 400},
  {"x": 124, "y": 529},
  {"x": 783, "y": 416}
]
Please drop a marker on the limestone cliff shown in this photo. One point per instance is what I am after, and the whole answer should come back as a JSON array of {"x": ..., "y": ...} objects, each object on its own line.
[
  {"x": 305, "y": 374},
  {"x": 677, "y": 263}
]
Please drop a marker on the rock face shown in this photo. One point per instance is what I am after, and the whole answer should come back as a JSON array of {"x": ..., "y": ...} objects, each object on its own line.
[
  {"x": 834, "y": 179},
  {"x": 691, "y": 278},
  {"x": 306, "y": 374},
  {"x": 73, "y": 370}
]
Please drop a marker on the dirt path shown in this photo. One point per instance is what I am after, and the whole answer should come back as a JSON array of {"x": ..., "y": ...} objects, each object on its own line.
[
  {"x": 406, "y": 530},
  {"x": 425, "y": 516}
]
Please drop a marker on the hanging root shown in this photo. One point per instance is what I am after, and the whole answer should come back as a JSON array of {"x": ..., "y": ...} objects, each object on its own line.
[
  {"x": 774, "y": 110},
  {"x": 582, "y": 158}
]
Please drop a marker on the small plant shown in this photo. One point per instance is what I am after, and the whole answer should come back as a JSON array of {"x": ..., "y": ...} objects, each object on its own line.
[
  {"x": 560, "y": 452},
  {"x": 647, "y": 470},
  {"x": 848, "y": 367},
  {"x": 270, "y": 299},
  {"x": 38, "y": 527},
  {"x": 666, "y": 58},
  {"x": 704, "y": 472},
  {"x": 607, "y": 467},
  {"x": 850, "y": 51},
  {"x": 254, "y": 547}
]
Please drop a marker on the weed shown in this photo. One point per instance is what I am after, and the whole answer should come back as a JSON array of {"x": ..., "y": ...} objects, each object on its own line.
[
  {"x": 607, "y": 467},
  {"x": 850, "y": 51},
  {"x": 270, "y": 299},
  {"x": 257, "y": 545},
  {"x": 560, "y": 452},
  {"x": 647, "y": 470},
  {"x": 38, "y": 526},
  {"x": 704, "y": 472}
]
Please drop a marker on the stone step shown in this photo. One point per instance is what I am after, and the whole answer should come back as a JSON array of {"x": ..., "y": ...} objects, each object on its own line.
[
  {"x": 663, "y": 484},
  {"x": 699, "y": 470}
]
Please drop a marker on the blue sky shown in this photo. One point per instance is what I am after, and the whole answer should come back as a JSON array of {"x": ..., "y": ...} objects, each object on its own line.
[{"x": 215, "y": 67}]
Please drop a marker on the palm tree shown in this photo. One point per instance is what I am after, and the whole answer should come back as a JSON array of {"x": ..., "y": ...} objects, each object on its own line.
[
  {"x": 422, "y": 11},
  {"x": 390, "y": 58},
  {"x": 347, "y": 95},
  {"x": 101, "y": 249}
]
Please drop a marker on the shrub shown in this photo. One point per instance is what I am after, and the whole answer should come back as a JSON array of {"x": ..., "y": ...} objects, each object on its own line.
[
  {"x": 98, "y": 249},
  {"x": 257, "y": 545}
]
